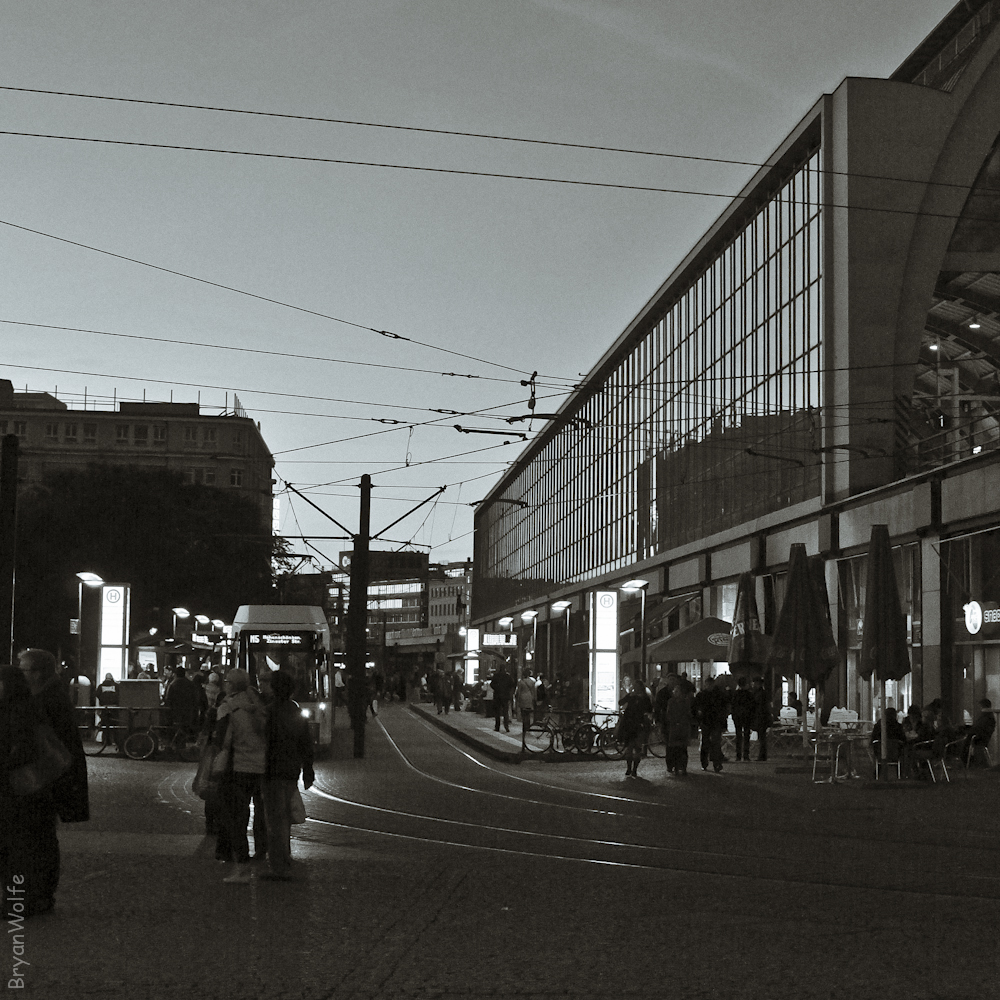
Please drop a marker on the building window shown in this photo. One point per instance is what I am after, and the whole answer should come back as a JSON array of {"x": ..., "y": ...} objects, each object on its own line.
[
  {"x": 121, "y": 433},
  {"x": 190, "y": 433},
  {"x": 189, "y": 476},
  {"x": 90, "y": 433},
  {"x": 160, "y": 434},
  {"x": 238, "y": 439},
  {"x": 209, "y": 477},
  {"x": 208, "y": 434},
  {"x": 141, "y": 434},
  {"x": 3, "y": 427},
  {"x": 51, "y": 432},
  {"x": 69, "y": 433},
  {"x": 21, "y": 428},
  {"x": 235, "y": 477}
]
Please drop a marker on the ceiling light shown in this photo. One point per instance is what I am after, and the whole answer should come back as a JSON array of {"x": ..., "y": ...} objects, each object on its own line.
[
  {"x": 933, "y": 347},
  {"x": 975, "y": 325}
]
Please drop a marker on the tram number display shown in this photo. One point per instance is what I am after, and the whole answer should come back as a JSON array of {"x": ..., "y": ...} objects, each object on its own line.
[{"x": 288, "y": 640}]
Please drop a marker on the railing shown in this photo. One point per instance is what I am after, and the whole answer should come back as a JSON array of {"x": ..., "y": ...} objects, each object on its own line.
[{"x": 972, "y": 32}]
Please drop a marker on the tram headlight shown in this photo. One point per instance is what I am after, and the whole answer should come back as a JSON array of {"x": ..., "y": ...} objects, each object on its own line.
[
  {"x": 306, "y": 713},
  {"x": 322, "y": 706}
]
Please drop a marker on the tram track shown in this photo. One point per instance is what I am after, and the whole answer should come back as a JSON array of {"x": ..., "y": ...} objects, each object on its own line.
[{"x": 416, "y": 826}]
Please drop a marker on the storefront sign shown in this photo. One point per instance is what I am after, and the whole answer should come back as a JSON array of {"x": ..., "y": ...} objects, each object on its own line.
[
  {"x": 499, "y": 639},
  {"x": 979, "y": 615}
]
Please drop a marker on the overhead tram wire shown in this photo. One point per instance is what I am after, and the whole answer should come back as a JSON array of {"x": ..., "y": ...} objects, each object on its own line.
[
  {"x": 257, "y": 350},
  {"x": 496, "y": 137},
  {"x": 454, "y": 171},
  {"x": 263, "y": 298}
]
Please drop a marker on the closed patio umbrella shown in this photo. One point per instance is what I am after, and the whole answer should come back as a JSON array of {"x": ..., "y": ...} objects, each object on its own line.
[
  {"x": 803, "y": 643},
  {"x": 883, "y": 636},
  {"x": 748, "y": 646}
]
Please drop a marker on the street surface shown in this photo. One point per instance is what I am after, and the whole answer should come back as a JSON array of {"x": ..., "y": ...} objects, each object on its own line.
[{"x": 429, "y": 870}]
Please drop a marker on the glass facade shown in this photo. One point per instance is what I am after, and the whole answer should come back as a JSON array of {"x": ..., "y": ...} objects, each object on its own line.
[{"x": 709, "y": 416}]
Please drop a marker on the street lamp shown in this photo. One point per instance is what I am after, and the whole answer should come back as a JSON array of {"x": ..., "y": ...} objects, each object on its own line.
[
  {"x": 179, "y": 613},
  {"x": 630, "y": 587},
  {"x": 531, "y": 616},
  {"x": 202, "y": 619},
  {"x": 85, "y": 580}
]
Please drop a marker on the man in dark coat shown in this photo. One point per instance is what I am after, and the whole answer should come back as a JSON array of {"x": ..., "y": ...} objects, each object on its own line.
[
  {"x": 743, "y": 708},
  {"x": 69, "y": 795},
  {"x": 711, "y": 709},
  {"x": 289, "y": 752},
  {"x": 503, "y": 686},
  {"x": 760, "y": 721}
]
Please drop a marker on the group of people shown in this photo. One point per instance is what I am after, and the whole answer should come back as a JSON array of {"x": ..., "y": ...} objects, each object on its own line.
[
  {"x": 679, "y": 712},
  {"x": 262, "y": 744},
  {"x": 925, "y": 733},
  {"x": 32, "y": 694}
]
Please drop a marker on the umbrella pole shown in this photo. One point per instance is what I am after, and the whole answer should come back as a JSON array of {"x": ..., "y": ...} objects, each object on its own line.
[
  {"x": 803, "y": 688},
  {"x": 882, "y": 742}
]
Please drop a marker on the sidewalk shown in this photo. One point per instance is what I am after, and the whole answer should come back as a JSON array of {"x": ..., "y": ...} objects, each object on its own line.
[{"x": 478, "y": 731}]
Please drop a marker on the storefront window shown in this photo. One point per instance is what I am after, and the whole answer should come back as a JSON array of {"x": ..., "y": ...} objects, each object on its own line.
[{"x": 971, "y": 581}]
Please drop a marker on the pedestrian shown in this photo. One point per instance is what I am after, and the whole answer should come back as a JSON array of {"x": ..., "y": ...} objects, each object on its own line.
[
  {"x": 183, "y": 700},
  {"x": 711, "y": 710},
  {"x": 339, "y": 688},
  {"x": 760, "y": 721},
  {"x": 677, "y": 724},
  {"x": 68, "y": 796},
  {"x": 441, "y": 690},
  {"x": 632, "y": 730},
  {"x": 241, "y": 726},
  {"x": 743, "y": 707},
  {"x": 502, "y": 685},
  {"x": 525, "y": 698},
  {"x": 458, "y": 687},
  {"x": 289, "y": 753},
  {"x": 107, "y": 695}
]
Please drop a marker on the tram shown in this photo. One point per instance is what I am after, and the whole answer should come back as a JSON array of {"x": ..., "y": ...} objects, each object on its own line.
[{"x": 293, "y": 638}]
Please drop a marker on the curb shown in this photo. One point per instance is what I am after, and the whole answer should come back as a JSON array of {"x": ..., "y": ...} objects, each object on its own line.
[{"x": 504, "y": 755}]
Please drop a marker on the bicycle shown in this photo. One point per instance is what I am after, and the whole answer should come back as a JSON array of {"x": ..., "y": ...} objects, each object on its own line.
[
  {"x": 108, "y": 731},
  {"x": 576, "y": 734},
  {"x": 179, "y": 742}
]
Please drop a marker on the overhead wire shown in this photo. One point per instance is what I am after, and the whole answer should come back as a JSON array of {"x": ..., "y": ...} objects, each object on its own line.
[
  {"x": 492, "y": 136},
  {"x": 263, "y": 298}
]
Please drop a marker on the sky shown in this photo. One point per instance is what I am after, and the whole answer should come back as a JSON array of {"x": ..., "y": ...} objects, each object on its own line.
[{"x": 487, "y": 277}]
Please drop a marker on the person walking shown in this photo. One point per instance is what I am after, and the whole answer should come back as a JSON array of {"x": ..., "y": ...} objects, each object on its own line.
[
  {"x": 636, "y": 710},
  {"x": 242, "y": 721},
  {"x": 712, "y": 710},
  {"x": 441, "y": 689},
  {"x": 743, "y": 707},
  {"x": 458, "y": 687},
  {"x": 760, "y": 721},
  {"x": 525, "y": 698},
  {"x": 69, "y": 797},
  {"x": 182, "y": 699},
  {"x": 502, "y": 685},
  {"x": 289, "y": 753}
]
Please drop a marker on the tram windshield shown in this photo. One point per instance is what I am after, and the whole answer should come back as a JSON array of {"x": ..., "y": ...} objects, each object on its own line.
[{"x": 294, "y": 653}]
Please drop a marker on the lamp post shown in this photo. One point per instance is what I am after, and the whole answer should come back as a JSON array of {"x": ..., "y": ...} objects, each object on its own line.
[
  {"x": 84, "y": 579},
  {"x": 630, "y": 587},
  {"x": 178, "y": 613},
  {"x": 531, "y": 616}
]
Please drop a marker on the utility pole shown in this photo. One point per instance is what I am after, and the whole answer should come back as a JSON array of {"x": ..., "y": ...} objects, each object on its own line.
[
  {"x": 357, "y": 622},
  {"x": 8, "y": 526}
]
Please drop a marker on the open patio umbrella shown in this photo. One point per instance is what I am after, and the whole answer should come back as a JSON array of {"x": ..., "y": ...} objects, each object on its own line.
[
  {"x": 748, "y": 646},
  {"x": 803, "y": 643},
  {"x": 883, "y": 636},
  {"x": 826, "y": 691},
  {"x": 705, "y": 640}
]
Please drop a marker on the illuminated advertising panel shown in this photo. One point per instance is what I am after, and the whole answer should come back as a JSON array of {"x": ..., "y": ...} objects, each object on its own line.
[
  {"x": 471, "y": 655},
  {"x": 604, "y": 651},
  {"x": 504, "y": 639},
  {"x": 114, "y": 631}
]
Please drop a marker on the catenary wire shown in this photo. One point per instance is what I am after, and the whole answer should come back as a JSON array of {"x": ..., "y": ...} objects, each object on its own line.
[
  {"x": 255, "y": 350},
  {"x": 262, "y": 298},
  {"x": 454, "y": 171},
  {"x": 497, "y": 137}
]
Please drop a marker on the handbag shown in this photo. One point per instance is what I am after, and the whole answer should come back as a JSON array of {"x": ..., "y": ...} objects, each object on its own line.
[
  {"x": 205, "y": 782},
  {"x": 297, "y": 808},
  {"x": 52, "y": 759},
  {"x": 223, "y": 756}
]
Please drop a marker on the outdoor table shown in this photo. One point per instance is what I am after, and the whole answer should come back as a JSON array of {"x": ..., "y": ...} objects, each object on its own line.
[{"x": 839, "y": 746}]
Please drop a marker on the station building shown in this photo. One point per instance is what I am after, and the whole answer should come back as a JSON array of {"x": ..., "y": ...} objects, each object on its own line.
[{"x": 827, "y": 357}]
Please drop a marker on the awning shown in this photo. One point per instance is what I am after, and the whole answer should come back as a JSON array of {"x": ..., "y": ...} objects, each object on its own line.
[{"x": 705, "y": 640}]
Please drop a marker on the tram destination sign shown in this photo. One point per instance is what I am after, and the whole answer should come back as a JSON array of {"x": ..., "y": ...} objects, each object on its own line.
[
  {"x": 499, "y": 639},
  {"x": 300, "y": 640}
]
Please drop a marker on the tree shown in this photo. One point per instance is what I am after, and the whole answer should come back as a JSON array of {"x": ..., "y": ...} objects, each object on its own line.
[{"x": 202, "y": 547}]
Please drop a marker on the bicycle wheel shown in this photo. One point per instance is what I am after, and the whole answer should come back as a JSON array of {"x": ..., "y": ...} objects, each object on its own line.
[
  {"x": 608, "y": 745},
  {"x": 537, "y": 738},
  {"x": 585, "y": 738},
  {"x": 140, "y": 745},
  {"x": 104, "y": 740},
  {"x": 655, "y": 745}
]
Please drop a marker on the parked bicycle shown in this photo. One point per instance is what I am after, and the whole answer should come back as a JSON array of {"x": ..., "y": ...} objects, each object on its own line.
[{"x": 576, "y": 733}]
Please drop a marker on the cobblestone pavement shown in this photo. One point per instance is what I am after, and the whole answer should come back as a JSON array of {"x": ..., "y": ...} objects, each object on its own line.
[{"x": 428, "y": 870}]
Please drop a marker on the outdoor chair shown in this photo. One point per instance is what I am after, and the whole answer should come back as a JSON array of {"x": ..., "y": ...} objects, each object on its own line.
[
  {"x": 962, "y": 758},
  {"x": 892, "y": 758},
  {"x": 928, "y": 754}
]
